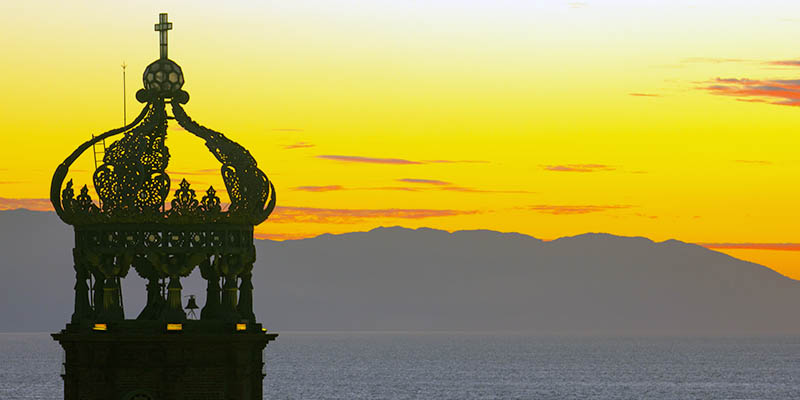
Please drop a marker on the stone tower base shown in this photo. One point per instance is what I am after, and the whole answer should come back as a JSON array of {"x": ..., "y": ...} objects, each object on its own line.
[{"x": 143, "y": 360}]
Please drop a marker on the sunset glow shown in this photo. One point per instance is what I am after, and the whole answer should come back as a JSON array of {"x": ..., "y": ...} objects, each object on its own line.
[{"x": 662, "y": 119}]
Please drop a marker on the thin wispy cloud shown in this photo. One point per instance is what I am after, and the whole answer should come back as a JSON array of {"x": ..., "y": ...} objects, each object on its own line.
[
  {"x": 784, "y": 63},
  {"x": 327, "y": 188},
  {"x": 474, "y": 190},
  {"x": 298, "y": 145},
  {"x": 424, "y": 181},
  {"x": 753, "y": 162},
  {"x": 753, "y": 246},
  {"x": 577, "y": 4},
  {"x": 780, "y": 92},
  {"x": 421, "y": 185},
  {"x": 455, "y": 162},
  {"x": 368, "y": 160},
  {"x": 574, "y": 210},
  {"x": 643, "y": 215},
  {"x": 283, "y": 236},
  {"x": 395, "y": 161},
  {"x": 713, "y": 60},
  {"x": 197, "y": 172},
  {"x": 395, "y": 188},
  {"x": 287, "y": 214},
  {"x": 644, "y": 94},
  {"x": 578, "y": 168},
  {"x": 30, "y": 204}
]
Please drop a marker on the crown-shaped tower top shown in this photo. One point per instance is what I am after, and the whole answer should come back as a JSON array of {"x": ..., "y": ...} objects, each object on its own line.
[
  {"x": 132, "y": 224},
  {"x": 132, "y": 182}
]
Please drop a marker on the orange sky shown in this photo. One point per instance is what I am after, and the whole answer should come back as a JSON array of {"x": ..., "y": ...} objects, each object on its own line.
[{"x": 663, "y": 119}]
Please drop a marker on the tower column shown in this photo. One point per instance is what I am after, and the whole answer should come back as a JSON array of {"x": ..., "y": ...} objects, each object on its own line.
[
  {"x": 229, "y": 298},
  {"x": 155, "y": 301},
  {"x": 111, "y": 310},
  {"x": 83, "y": 310},
  {"x": 210, "y": 273},
  {"x": 212, "y": 308},
  {"x": 245, "y": 306},
  {"x": 174, "y": 311},
  {"x": 97, "y": 294}
]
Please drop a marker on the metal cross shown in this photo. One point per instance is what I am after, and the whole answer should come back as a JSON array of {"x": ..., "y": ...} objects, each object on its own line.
[{"x": 162, "y": 27}]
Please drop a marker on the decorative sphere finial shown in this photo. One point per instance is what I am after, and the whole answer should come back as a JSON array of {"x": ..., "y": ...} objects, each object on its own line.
[{"x": 163, "y": 78}]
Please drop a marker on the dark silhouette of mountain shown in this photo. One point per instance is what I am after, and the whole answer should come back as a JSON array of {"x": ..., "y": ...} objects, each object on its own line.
[{"x": 425, "y": 279}]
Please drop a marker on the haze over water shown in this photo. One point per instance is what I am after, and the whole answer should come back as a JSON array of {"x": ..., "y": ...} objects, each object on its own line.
[{"x": 478, "y": 366}]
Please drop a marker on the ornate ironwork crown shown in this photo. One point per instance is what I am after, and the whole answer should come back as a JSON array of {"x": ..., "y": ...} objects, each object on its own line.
[
  {"x": 132, "y": 183},
  {"x": 133, "y": 225}
]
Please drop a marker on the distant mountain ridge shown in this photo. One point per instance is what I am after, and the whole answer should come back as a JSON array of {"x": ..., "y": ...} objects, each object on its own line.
[{"x": 426, "y": 279}]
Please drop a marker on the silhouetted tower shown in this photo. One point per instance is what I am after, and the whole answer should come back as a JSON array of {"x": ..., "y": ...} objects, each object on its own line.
[{"x": 160, "y": 354}]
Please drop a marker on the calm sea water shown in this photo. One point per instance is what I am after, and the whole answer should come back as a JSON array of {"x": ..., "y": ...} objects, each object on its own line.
[{"x": 473, "y": 366}]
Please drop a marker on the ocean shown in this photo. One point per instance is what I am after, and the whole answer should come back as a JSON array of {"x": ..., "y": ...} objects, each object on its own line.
[{"x": 303, "y": 365}]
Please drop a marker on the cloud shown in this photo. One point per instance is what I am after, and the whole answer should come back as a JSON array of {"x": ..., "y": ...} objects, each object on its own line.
[
  {"x": 577, "y": 4},
  {"x": 442, "y": 188},
  {"x": 371, "y": 160},
  {"x": 752, "y": 100},
  {"x": 397, "y": 188},
  {"x": 473, "y": 190},
  {"x": 753, "y": 246},
  {"x": 573, "y": 210},
  {"x": 643, "y": 215},
  {"x": 298, "y": 145},
  {"x": 209, "y": 171},
  {"x": 426, "y": 186},
  {"x": 735, "y": 80},
  {"x": 425, "y": 181},
  {"x": 779, "y": 92},
  {"x": 579, "y": 167},
  {"x": 283, "y": 236},
  {"x": 286, "y": 214},
  {"x": 713, "y": 60},
  {"x": 30, "y": 204},
  {"x": 753, "y": 162},
  {"x": 318, "y": 188},
  {"x": 456, "y": 162},
  {"x": 644, "y": 94},
  {"x": 396, "y": 161},
  {"x": 784, "y": 63}
]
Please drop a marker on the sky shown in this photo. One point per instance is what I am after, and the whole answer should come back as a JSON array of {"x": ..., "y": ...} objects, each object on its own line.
[{"x": 662, "y": 119}]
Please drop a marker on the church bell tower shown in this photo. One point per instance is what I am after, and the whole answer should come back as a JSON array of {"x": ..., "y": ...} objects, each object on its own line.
[{"x": 162, "y": 355}]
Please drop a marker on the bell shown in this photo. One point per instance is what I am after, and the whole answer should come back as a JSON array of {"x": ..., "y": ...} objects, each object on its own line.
[{"x": 191, "y": 304}]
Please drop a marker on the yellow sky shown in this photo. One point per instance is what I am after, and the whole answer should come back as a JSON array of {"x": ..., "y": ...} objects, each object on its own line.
[{"x": 548, "y": 118}]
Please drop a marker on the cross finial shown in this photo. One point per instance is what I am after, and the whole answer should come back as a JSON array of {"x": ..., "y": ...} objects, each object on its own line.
[{"x": 162, "y": 27}]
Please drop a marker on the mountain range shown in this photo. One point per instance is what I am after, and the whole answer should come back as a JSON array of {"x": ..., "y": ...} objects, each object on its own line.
[{"x": 424, "y": 279}]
